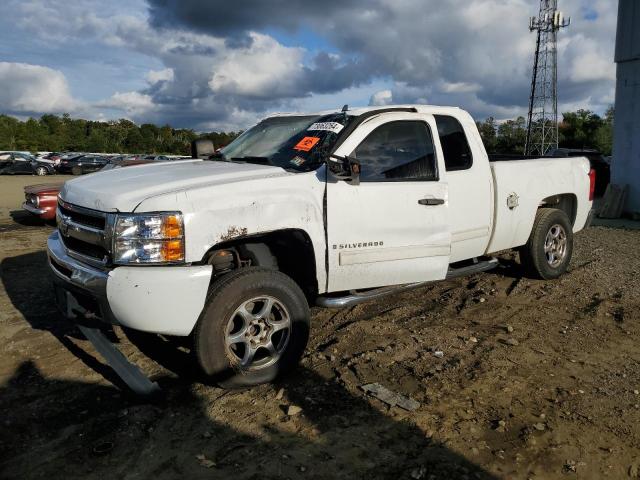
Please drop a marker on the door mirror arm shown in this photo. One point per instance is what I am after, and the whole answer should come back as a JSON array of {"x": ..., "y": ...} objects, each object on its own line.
[{"x": 344, "y": 168}]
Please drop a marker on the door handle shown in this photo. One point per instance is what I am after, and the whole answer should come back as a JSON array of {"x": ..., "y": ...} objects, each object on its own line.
[{"x": 431, "y": 201}]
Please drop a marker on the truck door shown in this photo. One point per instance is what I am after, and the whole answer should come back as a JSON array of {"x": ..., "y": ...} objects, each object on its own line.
[
  {"x": 392, "y": 228},
  {"x": 470, "y": 186}
]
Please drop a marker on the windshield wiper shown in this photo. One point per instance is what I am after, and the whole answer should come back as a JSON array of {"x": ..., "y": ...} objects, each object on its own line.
[{"x": 249, "y": 159}]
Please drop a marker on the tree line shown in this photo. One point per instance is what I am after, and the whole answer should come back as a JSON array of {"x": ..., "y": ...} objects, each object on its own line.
[
  {"x": 580, "y": 129},
  {"x": 62, "y": 133}
]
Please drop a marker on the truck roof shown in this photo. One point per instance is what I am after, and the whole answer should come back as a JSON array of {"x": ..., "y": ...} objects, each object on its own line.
[{"x": 357, "y": 111}]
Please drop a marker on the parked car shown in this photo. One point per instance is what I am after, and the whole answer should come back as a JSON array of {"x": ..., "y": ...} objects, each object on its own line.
[
  {"x": 82, "y": 164},
  {"x": 156, "y": 158},
  {"x": 42, "y": 200},
  {"x": 326, "y": 209},
  {"x": 125, "y": 162},
  {"x": 597, "y": 161},
  {"x": 15, "y": 163},
  {"x": 51, "y": 157}
]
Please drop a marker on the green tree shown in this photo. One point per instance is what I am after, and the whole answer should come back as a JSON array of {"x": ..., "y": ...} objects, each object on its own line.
[
  {"x": 488, "y": 133},
  {"x": 603, "y": 140},
  {"x": 55, "y": 133},
  {"x": 9, "y": 131},
  {"x": 512, "y": 135}
]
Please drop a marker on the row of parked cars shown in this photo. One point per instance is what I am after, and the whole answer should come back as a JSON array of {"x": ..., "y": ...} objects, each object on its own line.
[
  {"x": 41, "y": 200},
  {"x": 75, "y": 163}
]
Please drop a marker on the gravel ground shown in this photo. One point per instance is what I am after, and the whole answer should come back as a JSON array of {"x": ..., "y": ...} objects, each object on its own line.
[{"x": 515, "y": 378}]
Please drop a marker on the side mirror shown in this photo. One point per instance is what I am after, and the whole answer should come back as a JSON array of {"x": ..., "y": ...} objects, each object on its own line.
[{"x": 344, "y": 168}]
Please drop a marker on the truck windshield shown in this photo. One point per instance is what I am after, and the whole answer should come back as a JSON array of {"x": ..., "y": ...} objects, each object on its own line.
[{"x": 292, "y": 142}]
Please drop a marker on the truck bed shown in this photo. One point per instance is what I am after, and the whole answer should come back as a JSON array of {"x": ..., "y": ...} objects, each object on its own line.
[{"x": 531, "y": 183}]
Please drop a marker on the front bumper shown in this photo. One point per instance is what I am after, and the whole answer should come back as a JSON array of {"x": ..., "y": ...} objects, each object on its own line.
[
  {"x": 31, "y": 209},
  {"x": 158, "y": 299}
]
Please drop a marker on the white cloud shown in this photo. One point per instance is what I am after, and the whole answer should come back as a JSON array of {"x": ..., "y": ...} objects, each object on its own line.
[
  {"x": 383, "y": 97},
  {"x": 264, "y": 68},
  {"x": 133, "y": 103},
  {"x": 33, "y": 89},
  {"x": 155, "y": 76},
  {"x": 460, "y": 87}
]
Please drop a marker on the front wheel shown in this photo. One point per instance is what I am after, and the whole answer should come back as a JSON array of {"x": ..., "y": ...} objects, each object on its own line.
[
  {"x": 548, "y": 251},
  {"x": 254, "y": 327},
  {"x": 41, "y": 171}
]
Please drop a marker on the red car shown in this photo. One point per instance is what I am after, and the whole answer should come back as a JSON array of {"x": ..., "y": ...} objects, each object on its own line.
[{"x": 41, "y": 200}]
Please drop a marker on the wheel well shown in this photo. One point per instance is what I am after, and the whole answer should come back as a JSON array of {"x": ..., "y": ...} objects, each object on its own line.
[
  {"x": 567, "y": 202},
  {"x": 290, "y": 251}
]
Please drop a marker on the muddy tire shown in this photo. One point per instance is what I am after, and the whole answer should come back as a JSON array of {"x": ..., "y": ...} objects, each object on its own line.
[
  {"x": 253, "y": 329},
  {"x": 548, "y": 251}
]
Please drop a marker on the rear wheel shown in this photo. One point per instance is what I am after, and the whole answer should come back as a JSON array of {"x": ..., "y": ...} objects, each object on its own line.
[
  {"x": 548, "y": 251},
  {"x": 77, "y": 171},
  {"x": 254, "y": 327}
]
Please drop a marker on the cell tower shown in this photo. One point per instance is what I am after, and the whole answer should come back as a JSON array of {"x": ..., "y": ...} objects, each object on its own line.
[{"x": 542, "y": 126}]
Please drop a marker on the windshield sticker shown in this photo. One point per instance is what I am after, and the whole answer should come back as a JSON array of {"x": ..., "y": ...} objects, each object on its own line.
[
  {"x": 307, "y": 143},
  {"x": 334, "y": 127},
  {"x": 297, "y": 161}
]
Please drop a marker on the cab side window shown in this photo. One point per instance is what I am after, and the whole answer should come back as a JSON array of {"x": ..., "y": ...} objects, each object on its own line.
[
  {"x": 455, "y": 148},
  {"x": 398, "y": 151}
]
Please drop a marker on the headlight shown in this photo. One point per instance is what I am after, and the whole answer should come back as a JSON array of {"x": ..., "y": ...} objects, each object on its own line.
[{"x": 149, "y": 238}]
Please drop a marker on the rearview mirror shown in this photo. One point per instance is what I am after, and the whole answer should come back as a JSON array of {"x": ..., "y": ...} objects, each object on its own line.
[
  {"x": 202, "y": 148},
  {"x": 344, "y": 168}
]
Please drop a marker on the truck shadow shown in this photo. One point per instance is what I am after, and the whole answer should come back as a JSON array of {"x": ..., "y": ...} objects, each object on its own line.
[
  {"x": 26, "y": 281},
  {"x": 26, "y": 219},
  {"x": 62, "y": 428},
  {"x": 74, "y": 429}
]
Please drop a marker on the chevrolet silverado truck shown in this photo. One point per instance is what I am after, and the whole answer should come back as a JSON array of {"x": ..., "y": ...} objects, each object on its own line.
[{"x": 328, "y": 209}]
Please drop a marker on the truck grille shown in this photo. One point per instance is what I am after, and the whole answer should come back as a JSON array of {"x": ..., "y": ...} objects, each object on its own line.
[
  {"x": 86, "y": 233},
  {"x": 82, "y": 218}
]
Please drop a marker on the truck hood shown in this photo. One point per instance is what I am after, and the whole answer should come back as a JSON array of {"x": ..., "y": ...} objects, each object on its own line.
[{"x": 123, "y": 189}]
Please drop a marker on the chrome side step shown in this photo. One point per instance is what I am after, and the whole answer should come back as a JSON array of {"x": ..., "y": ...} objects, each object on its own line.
[{"x": 355, "y": 297}]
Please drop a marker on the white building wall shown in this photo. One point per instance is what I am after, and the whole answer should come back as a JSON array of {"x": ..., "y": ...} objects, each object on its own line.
[{"x": 625, "y": 167}]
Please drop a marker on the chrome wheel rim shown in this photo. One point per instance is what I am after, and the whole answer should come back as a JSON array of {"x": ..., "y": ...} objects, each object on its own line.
[
  {"x": 41, "y": 171},
  {"x": 555, "y": 245},
  {"x": 257, "y": 333}
]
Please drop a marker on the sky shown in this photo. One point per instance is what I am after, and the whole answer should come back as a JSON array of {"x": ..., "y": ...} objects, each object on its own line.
[{"x": 223, "y": 65}]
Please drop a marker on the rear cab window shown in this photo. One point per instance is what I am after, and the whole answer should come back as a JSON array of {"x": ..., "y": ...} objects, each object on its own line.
[{"x": 455, "y": 146}]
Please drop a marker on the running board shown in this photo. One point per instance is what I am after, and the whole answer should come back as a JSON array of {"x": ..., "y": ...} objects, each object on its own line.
[{"x": 355, "y": 298}]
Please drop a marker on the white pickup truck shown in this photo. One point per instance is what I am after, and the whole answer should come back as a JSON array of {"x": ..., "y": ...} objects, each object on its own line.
[{"x": 330, "y": 209}]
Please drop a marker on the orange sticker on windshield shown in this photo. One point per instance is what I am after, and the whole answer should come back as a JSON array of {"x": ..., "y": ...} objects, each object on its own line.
[{"x": 306, "y": 144}]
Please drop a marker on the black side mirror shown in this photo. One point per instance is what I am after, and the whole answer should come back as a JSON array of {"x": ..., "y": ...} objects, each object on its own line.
[{"x": 344, "y": 168}]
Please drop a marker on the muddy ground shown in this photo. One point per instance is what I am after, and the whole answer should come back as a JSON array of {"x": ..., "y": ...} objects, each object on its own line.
[{"x": 537, "y": 380}]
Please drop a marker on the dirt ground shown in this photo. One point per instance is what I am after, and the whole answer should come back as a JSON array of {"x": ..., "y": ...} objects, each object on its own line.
[{"x": 537, "y": 379}]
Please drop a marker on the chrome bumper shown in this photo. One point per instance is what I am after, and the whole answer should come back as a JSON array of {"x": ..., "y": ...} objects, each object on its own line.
[
  {"x": 30, "y": 208},
  {"x": 77, "y": 280}
]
